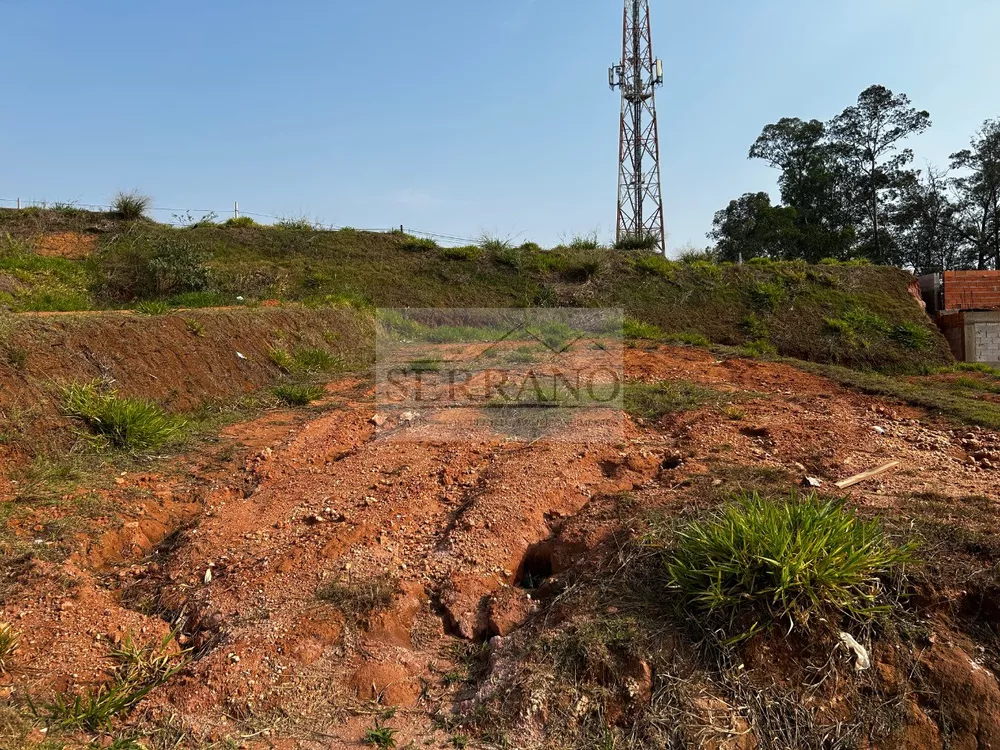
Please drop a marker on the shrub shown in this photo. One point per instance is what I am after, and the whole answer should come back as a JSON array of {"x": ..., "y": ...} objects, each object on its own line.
[
  {"x": 637, "y": 329},
  {"x": 655, "y": 265},
  {"x": 239, "y": 221},
  {"x": 127, "y": 424},
  {"x": 298, "y": 395},
  {"x": 131, "y": 205},
  {"x": 470, "y": 252},
  {"x": 585, "y": 242},
  {"x": 639, "y": 242},
  {"x": 140, "y": 266},
  {"x": 795, "y": 560},
  {"x": 361, "y": 597}
]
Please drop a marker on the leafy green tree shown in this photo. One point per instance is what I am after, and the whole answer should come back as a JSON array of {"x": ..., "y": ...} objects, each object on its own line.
[
  {"x": 978, "y": 188},
  {"x": 750, "y": 227},
  {"x": 924, "y": 218},
  {"x": 867, "y": 139}
]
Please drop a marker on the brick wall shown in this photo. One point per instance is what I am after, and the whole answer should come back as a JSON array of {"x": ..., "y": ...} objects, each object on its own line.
[{"x": 972, "y": 290}]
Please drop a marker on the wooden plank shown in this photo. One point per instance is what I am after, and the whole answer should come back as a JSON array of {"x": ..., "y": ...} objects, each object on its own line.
[{"x": 864, "y": 476}]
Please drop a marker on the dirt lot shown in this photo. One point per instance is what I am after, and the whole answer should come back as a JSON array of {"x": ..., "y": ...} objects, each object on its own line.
[{"x": 251, "y": 544}]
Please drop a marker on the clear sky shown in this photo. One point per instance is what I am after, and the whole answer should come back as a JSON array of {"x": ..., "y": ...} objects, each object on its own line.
[{"x": 447, "y": 116}]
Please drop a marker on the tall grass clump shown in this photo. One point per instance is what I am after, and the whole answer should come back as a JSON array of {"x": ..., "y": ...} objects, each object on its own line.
[
  {"x": 127, "y": 424},
  {"x": 794, "y": 561},
  {"x": 130, "y": 205},
  {"x": 638, "y": 242},
  {"x": 295, "y": 394}
]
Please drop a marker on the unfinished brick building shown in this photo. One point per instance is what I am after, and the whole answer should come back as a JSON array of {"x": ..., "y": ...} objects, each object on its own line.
[{"x": 966, "y": 306}]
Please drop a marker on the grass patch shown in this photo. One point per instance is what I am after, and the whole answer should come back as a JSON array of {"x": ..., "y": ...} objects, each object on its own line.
[
  {"x": 298, "y": 395},
  {"x": 653, "y": 401},
  {"x": 637, "y": 329},
  {"x": 655, "y": 265},
  {"x": 360, "y": 597},
  {"x": 131, "y": 205},
  {"x": 688, "y": 339},
  {"x": 126, "y": 424},
  {"x": 380, "y": 736},
  {"x": 794, "y": 561},
  {"x": 304, "y": 360},
  {"x": 240, "y": 221},
  {"x": 470, "y": 252}
]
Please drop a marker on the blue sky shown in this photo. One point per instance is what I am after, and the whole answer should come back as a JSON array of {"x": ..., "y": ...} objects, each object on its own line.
[{"x": 452, "y": 117}]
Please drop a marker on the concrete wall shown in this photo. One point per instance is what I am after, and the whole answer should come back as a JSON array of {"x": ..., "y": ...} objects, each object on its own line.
[{"x": 972, "y": 336}]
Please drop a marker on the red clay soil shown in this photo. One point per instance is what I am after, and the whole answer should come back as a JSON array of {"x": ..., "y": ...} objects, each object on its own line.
[
  {"x": 309, "y": 501},
  {"x": 69, "y": 245}
]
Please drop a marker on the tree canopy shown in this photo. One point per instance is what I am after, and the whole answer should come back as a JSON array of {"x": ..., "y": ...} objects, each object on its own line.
[{"x": 849, "y": 190}]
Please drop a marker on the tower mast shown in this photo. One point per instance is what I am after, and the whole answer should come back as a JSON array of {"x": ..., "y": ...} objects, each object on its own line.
[{"x": 640, "y": 204}]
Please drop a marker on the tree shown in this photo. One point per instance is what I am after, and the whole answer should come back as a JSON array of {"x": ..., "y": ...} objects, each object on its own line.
[
  {"x": 978, "y": 190},
  {"x": 925, "y": 223},
  {"x": 867, "y": 139},
  {"x": 809, "y": 184},
  {"x": 750, "y": 227}
]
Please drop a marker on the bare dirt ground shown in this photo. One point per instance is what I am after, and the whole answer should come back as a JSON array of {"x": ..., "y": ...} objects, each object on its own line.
[{"x": 240, "y": 543}]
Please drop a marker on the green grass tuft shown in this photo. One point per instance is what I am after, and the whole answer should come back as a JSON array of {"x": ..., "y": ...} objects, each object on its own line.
[
  {"x": 637, "y": 329},
  {"x": 794, "y": 561},
  {"x": 9, "y": 640},
  {"x": 152, "y": 307},
  {"x": 131, "y": 205},
  {"x": 298, "y": 395},
  {"x": 471, "y": 252},
  {"x": 127, "y": 424},
  {"x": 304, "y": 360}
]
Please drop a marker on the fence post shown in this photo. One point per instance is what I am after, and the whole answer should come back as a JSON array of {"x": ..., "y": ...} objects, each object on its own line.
[
  {"x": 401, "y": 229},
  {"x": 236, "y": 209},
  {"x": 18, "y": 204}
]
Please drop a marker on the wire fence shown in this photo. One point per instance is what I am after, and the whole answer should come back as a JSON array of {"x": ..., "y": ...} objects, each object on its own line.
[{"x": 187, "y": 216}]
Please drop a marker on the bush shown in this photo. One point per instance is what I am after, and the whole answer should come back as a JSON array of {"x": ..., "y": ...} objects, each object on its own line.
[
  {"x": 140, "y": 266},
  {"x": 795, "y": 560},
  {"x": 127, "y": 424},
  {"x": 640, "y": 242},
  {"x": 470, "y": 252},
  {"x": 298, "y": 395},
  {"x": 240, "y": 221},
  {"x": 131, "y": 205}
]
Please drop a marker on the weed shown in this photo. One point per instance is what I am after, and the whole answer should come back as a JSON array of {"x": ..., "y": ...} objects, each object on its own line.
[
  {"x": 361, "y": 597},
  {"x": 9, "y": 640},
  {"x": 637, "y": 329},
  {"x": 471, "y": 252},
  {"x": 240, "y": 221},
  {"x": 127, "y": 424},
  {"x": 298, "y": 395},
  {"x": 194, "y": 327},
  {"x": 152, "y": 307},
  {"x": 130, "y": 205},
  {"x": 380, "y": 736},
  {"x": 140, "y": 265},
  {"x": 797, "y": 560},
  {"x": 911, "y": 336},
  {"x": 654, "y": 401}
]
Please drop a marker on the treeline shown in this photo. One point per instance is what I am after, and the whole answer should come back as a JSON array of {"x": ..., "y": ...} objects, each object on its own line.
[{"x": 849, "y": 191}]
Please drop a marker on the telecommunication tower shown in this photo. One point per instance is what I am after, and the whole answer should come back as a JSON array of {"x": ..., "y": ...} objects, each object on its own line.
[{"x": 640, "y": 204}]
